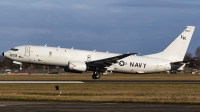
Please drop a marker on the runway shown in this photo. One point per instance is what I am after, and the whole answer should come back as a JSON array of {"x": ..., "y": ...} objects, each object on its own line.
[
  {"x": 58, "y": 106},
  {"x": 105, "y": 82},
  {"x": 40, "y": 82},
  {"x": 44, "y": 106}
]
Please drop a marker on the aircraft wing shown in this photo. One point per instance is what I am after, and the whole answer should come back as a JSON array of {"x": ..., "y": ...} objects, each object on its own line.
[{"x": 107, "y": 61}]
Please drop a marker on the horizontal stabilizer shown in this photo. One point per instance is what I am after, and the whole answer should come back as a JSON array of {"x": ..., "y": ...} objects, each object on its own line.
[{"x": 183, "y": 62}]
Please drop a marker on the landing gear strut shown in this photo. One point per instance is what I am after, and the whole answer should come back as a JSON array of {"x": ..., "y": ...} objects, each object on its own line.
[
  {"x": 20, "y": 68},
  {"x": 96, "y": 75},
  {"x": 18, "y": 63}
]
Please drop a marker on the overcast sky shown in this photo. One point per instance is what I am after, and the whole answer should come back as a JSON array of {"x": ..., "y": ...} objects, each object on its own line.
[{"x": 118, "y": 26}]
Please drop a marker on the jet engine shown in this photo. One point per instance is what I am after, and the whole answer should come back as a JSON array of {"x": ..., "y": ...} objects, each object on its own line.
[{"x": 74, "y": 66}]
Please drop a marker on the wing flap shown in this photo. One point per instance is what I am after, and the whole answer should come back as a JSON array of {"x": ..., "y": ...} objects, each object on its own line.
[{"x": 183, "y": 62}]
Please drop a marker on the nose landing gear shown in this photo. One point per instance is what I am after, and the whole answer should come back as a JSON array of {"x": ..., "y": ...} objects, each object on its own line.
[
  {"x": 20, "y": 68},
  {"x": 18, "y": 63}
]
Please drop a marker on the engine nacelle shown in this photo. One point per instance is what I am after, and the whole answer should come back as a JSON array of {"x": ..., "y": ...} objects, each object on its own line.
[{"x": 74, "y": 66}]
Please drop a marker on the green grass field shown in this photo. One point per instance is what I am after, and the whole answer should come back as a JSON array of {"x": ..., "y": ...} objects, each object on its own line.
[{"x": 150, "y": 93}]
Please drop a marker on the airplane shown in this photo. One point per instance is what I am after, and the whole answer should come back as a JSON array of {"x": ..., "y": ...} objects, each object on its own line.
[{"x": 74, "y": 60}]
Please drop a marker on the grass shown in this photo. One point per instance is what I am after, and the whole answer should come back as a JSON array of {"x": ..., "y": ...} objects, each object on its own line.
[{"x": 149, "y": 93}]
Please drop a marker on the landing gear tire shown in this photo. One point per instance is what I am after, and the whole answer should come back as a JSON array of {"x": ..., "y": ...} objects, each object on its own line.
[{"x": 96, "y": 75}]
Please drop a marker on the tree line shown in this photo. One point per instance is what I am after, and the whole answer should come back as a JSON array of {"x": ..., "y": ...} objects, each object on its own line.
[{"x": 6, "y": 63}]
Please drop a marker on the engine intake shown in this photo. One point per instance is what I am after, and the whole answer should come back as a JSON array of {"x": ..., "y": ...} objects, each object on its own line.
[{"x": 77, "y": 66}]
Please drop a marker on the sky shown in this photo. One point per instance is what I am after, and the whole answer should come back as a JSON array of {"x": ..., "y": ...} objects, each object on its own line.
[{"x": 117, "y": 26}]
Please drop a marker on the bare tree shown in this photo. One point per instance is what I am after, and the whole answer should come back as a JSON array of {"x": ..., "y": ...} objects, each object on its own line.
[
  {"x": 197, "y": 56},
  {"x": 197, "y": 52},
  {"x": 188, "y": 56},
  {"x": 1, "y": 59}
]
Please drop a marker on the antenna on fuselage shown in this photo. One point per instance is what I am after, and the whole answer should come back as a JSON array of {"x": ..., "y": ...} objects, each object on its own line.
[
  {"x": 136, "y": 54},
  {"x": 58, "y": 48}
]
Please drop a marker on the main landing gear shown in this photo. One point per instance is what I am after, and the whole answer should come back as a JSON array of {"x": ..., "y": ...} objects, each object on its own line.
[{"x": 96, "y": 75}]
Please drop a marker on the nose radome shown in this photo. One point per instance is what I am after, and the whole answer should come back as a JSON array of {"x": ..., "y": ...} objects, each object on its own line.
[{"x": 3, "y": 54}]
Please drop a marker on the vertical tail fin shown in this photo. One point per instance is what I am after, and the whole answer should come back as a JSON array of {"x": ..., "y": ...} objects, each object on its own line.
[{"x": 177, "y": 49}]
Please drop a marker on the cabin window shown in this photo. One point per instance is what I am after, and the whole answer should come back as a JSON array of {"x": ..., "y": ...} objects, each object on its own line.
[{"x": 14, "y": 49}]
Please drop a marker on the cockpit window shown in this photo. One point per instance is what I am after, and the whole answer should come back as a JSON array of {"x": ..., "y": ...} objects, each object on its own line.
[{"x": 14, "y": 49}]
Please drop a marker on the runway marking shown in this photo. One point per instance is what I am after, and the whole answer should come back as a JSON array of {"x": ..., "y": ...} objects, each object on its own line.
[
  {"x": 41, "y": 82},
  {"x": 101, "y": 82},
  {"x": 110, "y": 103},
  {"x": 2, "y": 105}
]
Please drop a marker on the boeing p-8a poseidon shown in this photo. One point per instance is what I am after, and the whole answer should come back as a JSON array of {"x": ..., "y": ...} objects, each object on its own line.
[{"x": 171, "y": 58}]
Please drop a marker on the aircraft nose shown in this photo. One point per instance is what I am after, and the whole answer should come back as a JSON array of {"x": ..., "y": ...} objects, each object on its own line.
[{"x": 3, "y": 54}]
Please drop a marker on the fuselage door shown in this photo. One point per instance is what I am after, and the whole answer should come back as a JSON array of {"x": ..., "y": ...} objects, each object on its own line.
[
  {"x": 88, "y": 58},
  {"x": 27, "y": 51}
]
